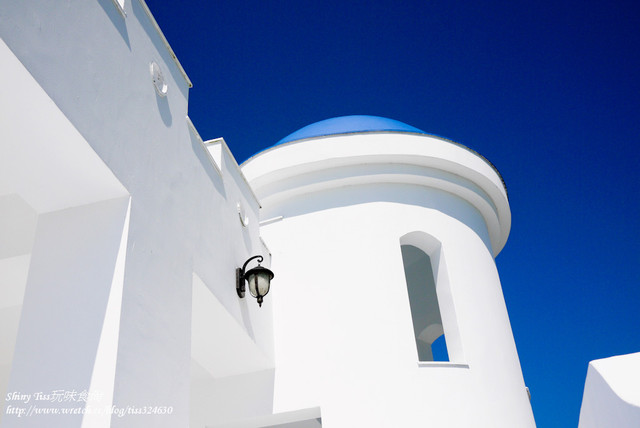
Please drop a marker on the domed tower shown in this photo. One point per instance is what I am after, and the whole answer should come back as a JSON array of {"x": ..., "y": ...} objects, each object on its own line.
[{"x": 387, "y": 305}]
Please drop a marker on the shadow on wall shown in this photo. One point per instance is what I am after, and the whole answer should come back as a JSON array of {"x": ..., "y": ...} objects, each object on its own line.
[
  {"x": 165, "y": 111},
  {"x": 353, "y": 195},
  {"x": 158, "y": 42},
  {"x": 111, "y": 9}
]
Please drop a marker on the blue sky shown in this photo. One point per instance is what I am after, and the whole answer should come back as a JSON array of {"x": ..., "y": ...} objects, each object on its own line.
[{"x": 548, "y": 91}]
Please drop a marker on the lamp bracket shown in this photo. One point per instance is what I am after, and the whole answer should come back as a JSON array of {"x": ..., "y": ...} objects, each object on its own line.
[
  {"x": 240, "y": 286},
  {"x": 260, "y": 259}
]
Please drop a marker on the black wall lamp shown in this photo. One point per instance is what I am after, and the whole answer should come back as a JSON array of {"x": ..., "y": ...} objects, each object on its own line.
[{"x": 259, "y": 279}]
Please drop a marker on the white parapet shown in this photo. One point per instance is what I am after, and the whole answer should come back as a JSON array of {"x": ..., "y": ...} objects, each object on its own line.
[
  {"x": 612, "y": 393},
  {"x": 287, "y": 172}
]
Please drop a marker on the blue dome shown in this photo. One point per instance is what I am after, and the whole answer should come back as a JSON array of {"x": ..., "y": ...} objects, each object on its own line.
[{"x": 349, "y": 124}]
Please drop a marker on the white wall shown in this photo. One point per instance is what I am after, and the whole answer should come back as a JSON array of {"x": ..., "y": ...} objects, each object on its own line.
[
  {"x": 70, "y": 278},
  {"x": 90, "y": 126},
  {"x": 62, "y": 214},
  {"x": 343, "y": 331},
  {"x": 611, "y": 394}
]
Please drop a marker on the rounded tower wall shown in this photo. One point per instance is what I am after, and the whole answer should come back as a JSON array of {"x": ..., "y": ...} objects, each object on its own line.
[
  {"x": 336, "y": 212},
  {"x": 343, "y": 326}
]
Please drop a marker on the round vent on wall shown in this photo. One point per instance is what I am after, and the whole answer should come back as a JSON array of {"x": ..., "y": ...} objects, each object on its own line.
[{"x": 158, "y": 79}]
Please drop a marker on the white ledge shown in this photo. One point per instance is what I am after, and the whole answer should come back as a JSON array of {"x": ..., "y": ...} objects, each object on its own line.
[
  {"x": 271, "y": 220},
  {"x": 172, "y": 54},
  {"x": 310, "y": 417},
  {"x": 442, "y": 364}
]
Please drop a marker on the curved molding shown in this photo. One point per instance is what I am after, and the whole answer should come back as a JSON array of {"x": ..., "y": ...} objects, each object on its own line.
[{"x": 322, "y": 164}]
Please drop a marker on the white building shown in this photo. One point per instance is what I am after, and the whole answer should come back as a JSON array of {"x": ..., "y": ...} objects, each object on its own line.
[
  {"x": 611, "y": 393},
  {"x": 122, "y": 230}
]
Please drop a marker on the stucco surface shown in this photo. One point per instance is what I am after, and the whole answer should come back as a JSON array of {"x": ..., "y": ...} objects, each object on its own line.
[{"x": 611, "y": 394}]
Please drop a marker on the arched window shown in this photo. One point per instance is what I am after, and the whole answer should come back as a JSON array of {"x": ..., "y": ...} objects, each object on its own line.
[
  {"x": 432, "y": 310},
  {"x": 425, "y": 310}
]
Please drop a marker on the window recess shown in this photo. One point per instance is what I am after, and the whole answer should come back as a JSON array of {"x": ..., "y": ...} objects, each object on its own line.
[{"x": 425, "y": 308}]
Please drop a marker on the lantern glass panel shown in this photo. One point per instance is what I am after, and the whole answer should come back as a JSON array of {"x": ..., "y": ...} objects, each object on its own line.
[{"x": 258, "y": 283}]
